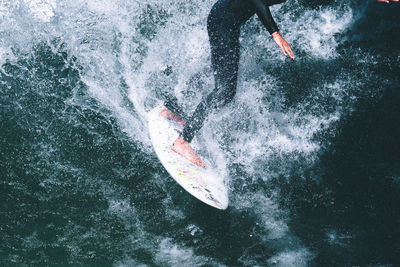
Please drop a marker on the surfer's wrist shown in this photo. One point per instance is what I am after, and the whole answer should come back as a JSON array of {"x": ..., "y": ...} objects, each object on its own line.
[{"x": 275, "y": 34}]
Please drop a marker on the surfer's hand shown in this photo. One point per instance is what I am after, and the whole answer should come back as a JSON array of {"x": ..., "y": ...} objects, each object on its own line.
[{"x": 284, "y": 46}]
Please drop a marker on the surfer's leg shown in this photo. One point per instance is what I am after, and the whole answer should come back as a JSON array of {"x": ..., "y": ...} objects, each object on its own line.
[
  {"x": 224, "y": 42},
  {"x": 173, "y": 111},
  {"x": 171, "y": 103},
  {"x": 183, "y": 148},
  {"x": 175, "y": 117},
  {"x": 223, "y": 31}
]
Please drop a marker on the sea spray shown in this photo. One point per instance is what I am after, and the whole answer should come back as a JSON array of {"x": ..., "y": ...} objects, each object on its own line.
[{"x": 82, "y": 185}]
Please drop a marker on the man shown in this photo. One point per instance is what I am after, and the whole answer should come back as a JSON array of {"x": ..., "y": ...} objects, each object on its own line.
[{"x": 223, "y": 25}]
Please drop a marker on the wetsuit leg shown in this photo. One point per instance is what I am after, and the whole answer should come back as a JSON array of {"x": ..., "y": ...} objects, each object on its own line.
[
  {"x": 171, "y": 103},
  {"x": 223, "y": 32}
]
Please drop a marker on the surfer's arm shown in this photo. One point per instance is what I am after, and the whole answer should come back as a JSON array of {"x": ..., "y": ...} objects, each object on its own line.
[
  {"x": 266, "y": 18},
  {"x": 264, "y": 14}
]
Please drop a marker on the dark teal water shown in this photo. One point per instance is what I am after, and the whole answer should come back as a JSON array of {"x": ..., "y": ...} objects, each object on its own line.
[{"x": 311, "y": 148}]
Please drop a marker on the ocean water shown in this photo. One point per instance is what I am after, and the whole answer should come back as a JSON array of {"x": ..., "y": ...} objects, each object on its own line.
[{"x": 310, "y": 149}]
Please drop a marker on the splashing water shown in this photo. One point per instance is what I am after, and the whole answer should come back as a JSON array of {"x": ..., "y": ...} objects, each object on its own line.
[{"x": 82, "y": 185}]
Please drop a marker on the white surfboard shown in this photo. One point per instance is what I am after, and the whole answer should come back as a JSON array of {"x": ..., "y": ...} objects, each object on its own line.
[{"x": 203, "y": 183}]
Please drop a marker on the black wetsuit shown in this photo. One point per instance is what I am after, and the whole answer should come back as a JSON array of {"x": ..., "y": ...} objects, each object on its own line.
[{"x": 223, "y": 25}]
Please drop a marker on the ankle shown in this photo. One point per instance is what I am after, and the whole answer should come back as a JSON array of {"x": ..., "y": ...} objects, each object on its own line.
[{"x": 180, "y": 141}]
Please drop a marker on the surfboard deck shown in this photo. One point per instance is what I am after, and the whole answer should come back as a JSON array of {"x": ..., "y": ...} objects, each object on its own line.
[{"x": 203, "y": 183}]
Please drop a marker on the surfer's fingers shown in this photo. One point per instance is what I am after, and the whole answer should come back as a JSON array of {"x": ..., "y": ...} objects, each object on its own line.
[
  {"x": 284, "y": 51},
  {"x": 289, "y": 52},
  {"x": 282, "y": 47}
]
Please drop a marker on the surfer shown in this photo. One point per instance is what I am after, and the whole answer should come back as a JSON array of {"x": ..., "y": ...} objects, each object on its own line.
[{"x": 223, "y": 26}]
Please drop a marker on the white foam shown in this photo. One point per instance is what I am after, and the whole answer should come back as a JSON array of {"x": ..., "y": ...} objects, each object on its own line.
[
  {"x": 270, "y": 217},
  {"x": 120, "y": 60},
  {"x": 272, "y": 229},
  {"x": 127, "y": 261},
  {"x": 41, "y": 9},
  {"x": 297, "y": 258},
  {"x": 338, "y": 238},
  {"x": 311, "y": 31},
  {"x": 171, "y": 254}
]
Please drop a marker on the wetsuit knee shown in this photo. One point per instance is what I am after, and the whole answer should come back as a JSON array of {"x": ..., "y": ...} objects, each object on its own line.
[{"x": 221, "y": 96}]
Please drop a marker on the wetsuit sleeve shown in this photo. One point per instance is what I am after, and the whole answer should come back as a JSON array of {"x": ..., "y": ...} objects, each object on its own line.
[{"x": 264, "y": 14}]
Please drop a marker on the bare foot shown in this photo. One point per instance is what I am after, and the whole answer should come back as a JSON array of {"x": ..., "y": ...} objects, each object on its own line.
[
  {"x": 183, "y": 148},
  {"x": 166, "y": 113}
]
